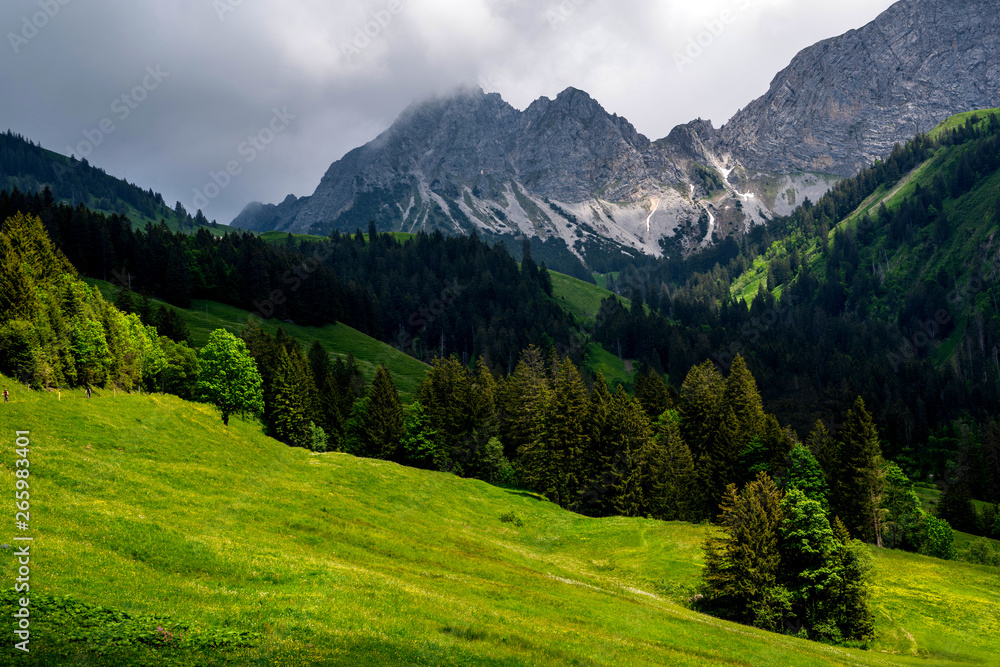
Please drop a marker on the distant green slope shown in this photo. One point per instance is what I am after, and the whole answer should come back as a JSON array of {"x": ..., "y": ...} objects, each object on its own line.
[
  {"x": 580, "y": 299},
  {"x": 30, "y": 168},
  {"x": 974, "y": 228},
  {"x": 206, "y": 316},
  {"x": 149, "y": 505}
]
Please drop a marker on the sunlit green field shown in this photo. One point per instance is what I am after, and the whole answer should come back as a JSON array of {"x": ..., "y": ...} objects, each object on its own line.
[
  {"x": 204, "y": 317},
  {"x": 150, "y": 506}
]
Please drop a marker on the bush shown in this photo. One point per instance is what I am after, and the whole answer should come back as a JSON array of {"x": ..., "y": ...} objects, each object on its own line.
[
  {"x": 982, "y": 552},
  {"x": 510, "y": 517}
]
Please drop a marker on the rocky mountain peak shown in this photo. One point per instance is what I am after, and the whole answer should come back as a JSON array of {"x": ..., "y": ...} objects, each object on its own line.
[{"x": 844, "y": 102}]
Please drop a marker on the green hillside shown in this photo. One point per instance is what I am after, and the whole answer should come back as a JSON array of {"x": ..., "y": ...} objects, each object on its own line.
[
  {"x": 30, "y": 168},
  {"x": 971, "y": 216},
  {"x": 147, "y": 505},
  {"x": 204, "y": 317},
  {"x": 580, "y": 299}
]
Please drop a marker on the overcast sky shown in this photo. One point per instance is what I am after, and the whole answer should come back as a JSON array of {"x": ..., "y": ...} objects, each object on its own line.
[{"x": 165, "y": 92}]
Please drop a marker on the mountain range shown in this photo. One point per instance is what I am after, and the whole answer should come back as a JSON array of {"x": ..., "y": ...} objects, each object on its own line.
[{"x": 567, "y": 169}]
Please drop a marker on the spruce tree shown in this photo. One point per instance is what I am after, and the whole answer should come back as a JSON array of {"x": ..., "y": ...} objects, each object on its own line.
[
  {"x": 633, "y": 439},
  {"x": 700, "y": 407},
  {"x": 290, "y": 415},
  {"x": 674, "y": 491},
  {"x": 375, "y": 426},
  {"x": 599, "y": 459},
  {"x": 741, "y": 394},
  {"x": 554, "y": 463},
  {"x": 651, "y": 391},
  {"x": 855, "y": 471},
  {"x": 955, "y": 507},
  {"x": 823, "y": 448},
  {"x": 521, "y": 402},
  {"x": 742, "y": 565}
]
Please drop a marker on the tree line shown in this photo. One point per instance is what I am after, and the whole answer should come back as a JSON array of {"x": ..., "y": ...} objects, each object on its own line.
[
  {"x": 430, "y": 295},
  {"x": 864, "y": 309}
]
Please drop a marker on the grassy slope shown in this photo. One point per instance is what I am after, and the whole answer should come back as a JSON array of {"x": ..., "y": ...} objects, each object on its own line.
[
  {"x": 206, "y": 316},
  {"x": 582, "y": 301},
  {"x": 149, "y": 505}
]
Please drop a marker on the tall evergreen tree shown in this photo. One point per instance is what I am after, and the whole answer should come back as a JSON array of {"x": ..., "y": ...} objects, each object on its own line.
[
  {"x": 651, "y": 391},
  {"x": 856, "y": 464},
  {"x": 674, "y": 490},
  {"x": 523, "y": 396},
  {"x": 823, "y": 448},
  {"x": 554, "y": 463},
  {"x": 633, "y": 439},
  {"x": 955, "y": 506},
  {"x": 377, "y": 423},
  {"x": 742, "y": 566},
  {"x": 700, "y": 407},
  {"x": 291, "y": 412},
  {"x": 599, "y": 458}
]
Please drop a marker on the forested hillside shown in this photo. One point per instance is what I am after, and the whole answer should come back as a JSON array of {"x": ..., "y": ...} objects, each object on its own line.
[
  {"x": 28, "y": 167},
  {"x": 886, "y": 288},
  {"x": 428, "y": 295}
]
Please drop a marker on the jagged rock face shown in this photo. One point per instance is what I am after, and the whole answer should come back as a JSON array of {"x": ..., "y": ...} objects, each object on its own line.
[
  {"x": 567, "y": 169},
  {"x": 471, "y": 161},
  {"x": 843, "y": 103}
]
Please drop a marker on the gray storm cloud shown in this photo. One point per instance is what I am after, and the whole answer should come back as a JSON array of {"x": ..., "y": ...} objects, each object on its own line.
[{"x": 182, "y": 96}]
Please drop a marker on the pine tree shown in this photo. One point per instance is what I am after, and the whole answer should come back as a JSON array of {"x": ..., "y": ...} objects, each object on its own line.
[
  {"x": 823, "y": 448},
  {"x": 955, "y": 506},
  {"x": 554, "y": 463},
  {"x": 674, "y": 491},
  {"x": 855, "y": 472},
  {"x": 599, "y": 459},
  {"x": 742, "y": 396},
  {"x": 290, "y": 416},
  {"x": 742, "y": 566},
  {"x": 382, "y": 425},
  {"x": 700, "y": 407},
  {"x": 523, "y": 396},
  {"x": 630, "y": 431},
  {"x": 328, "y": 412},
  {"x": 651, "y": 391}
]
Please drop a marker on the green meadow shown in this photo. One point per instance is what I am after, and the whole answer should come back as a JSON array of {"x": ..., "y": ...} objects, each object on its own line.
[{"x": 148, "y": 513}]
